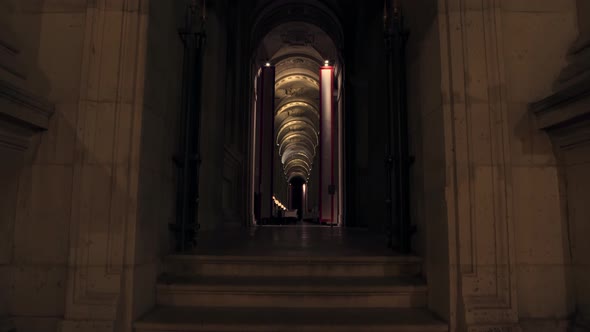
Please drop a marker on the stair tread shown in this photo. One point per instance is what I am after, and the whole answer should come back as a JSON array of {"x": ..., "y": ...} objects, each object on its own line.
[
  {"x": 308, "y": 259},
  {"x": 286, "y": 284},
  {"x": 269, "y": 319}
]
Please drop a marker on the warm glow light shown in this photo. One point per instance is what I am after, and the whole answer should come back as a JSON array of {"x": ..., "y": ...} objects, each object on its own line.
[
  {"x": 327, "y": 62},
  {"x": 279, "y": 204},
  {"x": 268, "y": 64}
]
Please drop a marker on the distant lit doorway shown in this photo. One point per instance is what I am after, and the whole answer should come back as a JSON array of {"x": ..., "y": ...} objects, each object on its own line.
[{"x": 297, "y": 196}]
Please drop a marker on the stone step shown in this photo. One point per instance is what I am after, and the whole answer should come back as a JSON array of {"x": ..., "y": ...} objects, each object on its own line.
[
  {"x": 293, "y": 266},
  {"x": 293, "y": 292},
  {"x": 173, "y": 319}
]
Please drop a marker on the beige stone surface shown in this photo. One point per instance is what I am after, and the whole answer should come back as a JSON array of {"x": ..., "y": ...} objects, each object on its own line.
[
  {"x": 85, "y": 209},
  {"x": 10, "y": 170},
  {"x": 578, "y": 191},
  {"x": 550, "y": 325},
  {"x": 503, "y": 195},
  {"x": 544, "y": 281},
  {"x": 427, "y": 146},
  {"x": 536, "y": 46},
  {"x": 74, "y": 197}
]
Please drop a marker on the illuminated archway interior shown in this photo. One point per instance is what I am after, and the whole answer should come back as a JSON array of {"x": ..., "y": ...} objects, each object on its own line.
[{"x": 297, "y": 51}]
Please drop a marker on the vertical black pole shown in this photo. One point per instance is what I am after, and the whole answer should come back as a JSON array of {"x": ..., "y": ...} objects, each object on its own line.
[
  {"x": 389, "y": 158},
  {"x": 195, "y": 87},
  {"x": 402, "y": 139},
  {"x": 398, "y": 225},
  {"x": 188, "y": 159}
]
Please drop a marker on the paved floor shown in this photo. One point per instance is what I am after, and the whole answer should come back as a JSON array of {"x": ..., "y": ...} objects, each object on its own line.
[{"x": 299, "y": 240}]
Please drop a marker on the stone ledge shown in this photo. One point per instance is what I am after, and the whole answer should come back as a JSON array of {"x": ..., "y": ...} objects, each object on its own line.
[
  {"x": 22, "y": 107},
  {"x": 566, "y": 107}
]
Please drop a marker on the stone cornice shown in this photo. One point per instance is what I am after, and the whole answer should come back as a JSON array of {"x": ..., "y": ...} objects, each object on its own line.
[
  {"x": 567, "y": 107},
  {"x": 23, "y": 107}
]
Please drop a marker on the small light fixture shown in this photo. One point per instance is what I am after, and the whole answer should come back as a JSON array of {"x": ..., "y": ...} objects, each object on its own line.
[
  {"x": 326, "y": 62},
  {"x": 267, "y": 64}
]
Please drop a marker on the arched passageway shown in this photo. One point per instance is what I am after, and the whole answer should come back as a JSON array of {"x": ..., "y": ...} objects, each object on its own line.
[{"x": 302, "y": 108}]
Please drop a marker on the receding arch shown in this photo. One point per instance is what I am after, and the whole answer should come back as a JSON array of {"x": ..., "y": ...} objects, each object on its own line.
[{"x": 296, "y": 38}]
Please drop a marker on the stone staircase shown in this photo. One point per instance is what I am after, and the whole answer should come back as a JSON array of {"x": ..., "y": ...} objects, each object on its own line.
[{"x": 266, "y": 293}]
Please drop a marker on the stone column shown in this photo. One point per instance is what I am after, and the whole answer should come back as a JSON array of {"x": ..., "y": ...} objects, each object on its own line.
[
  {"x": 265, "y": 146},
  {"x": 104, "y": 201},
  {"x": 328, "y": 213}
]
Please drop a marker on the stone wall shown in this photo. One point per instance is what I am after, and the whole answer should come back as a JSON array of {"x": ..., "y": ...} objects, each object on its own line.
[
  {"x": 160, "y": 128},
  {"x": 427, "y": 147},
  {"x": 486, "y": 185},
  {"x": 536, "y": 37},
  {"x": 365, "y": 117},
  {"x": 94, "y": 193},
  {"x": 42, "y": 45},
  {"x": 564, "y": 114},
  {"x": 85, "y": 205},
  {"x": 211, "y": 212}
]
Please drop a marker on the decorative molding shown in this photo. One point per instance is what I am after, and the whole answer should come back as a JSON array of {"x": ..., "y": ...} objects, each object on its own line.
[
  {"x": 24, "y": 107},
  {"x": 14, "y": 140},
  {"x": 9, "y": 52},
  {"x": 562, "y": 98},
  {"x": 565, "y": 115},
  {"x": 22, "y": 114}
]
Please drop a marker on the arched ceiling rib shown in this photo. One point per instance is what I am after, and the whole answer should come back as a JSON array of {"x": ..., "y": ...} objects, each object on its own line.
[{"x": 297, "y": 137}]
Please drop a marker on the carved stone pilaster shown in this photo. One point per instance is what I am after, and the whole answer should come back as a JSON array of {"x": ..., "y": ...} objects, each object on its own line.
[
  {"x": 479, "y": 192},
  {"x": 105, "y": 179}
]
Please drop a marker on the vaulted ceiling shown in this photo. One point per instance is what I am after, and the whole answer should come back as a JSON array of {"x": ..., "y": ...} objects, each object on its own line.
[
  {"x": 297, "y": 91},
  {"x": 296, "y": 37},
  {"x": 297, "y": 50},
  {"x": 297, "y": 117}
]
